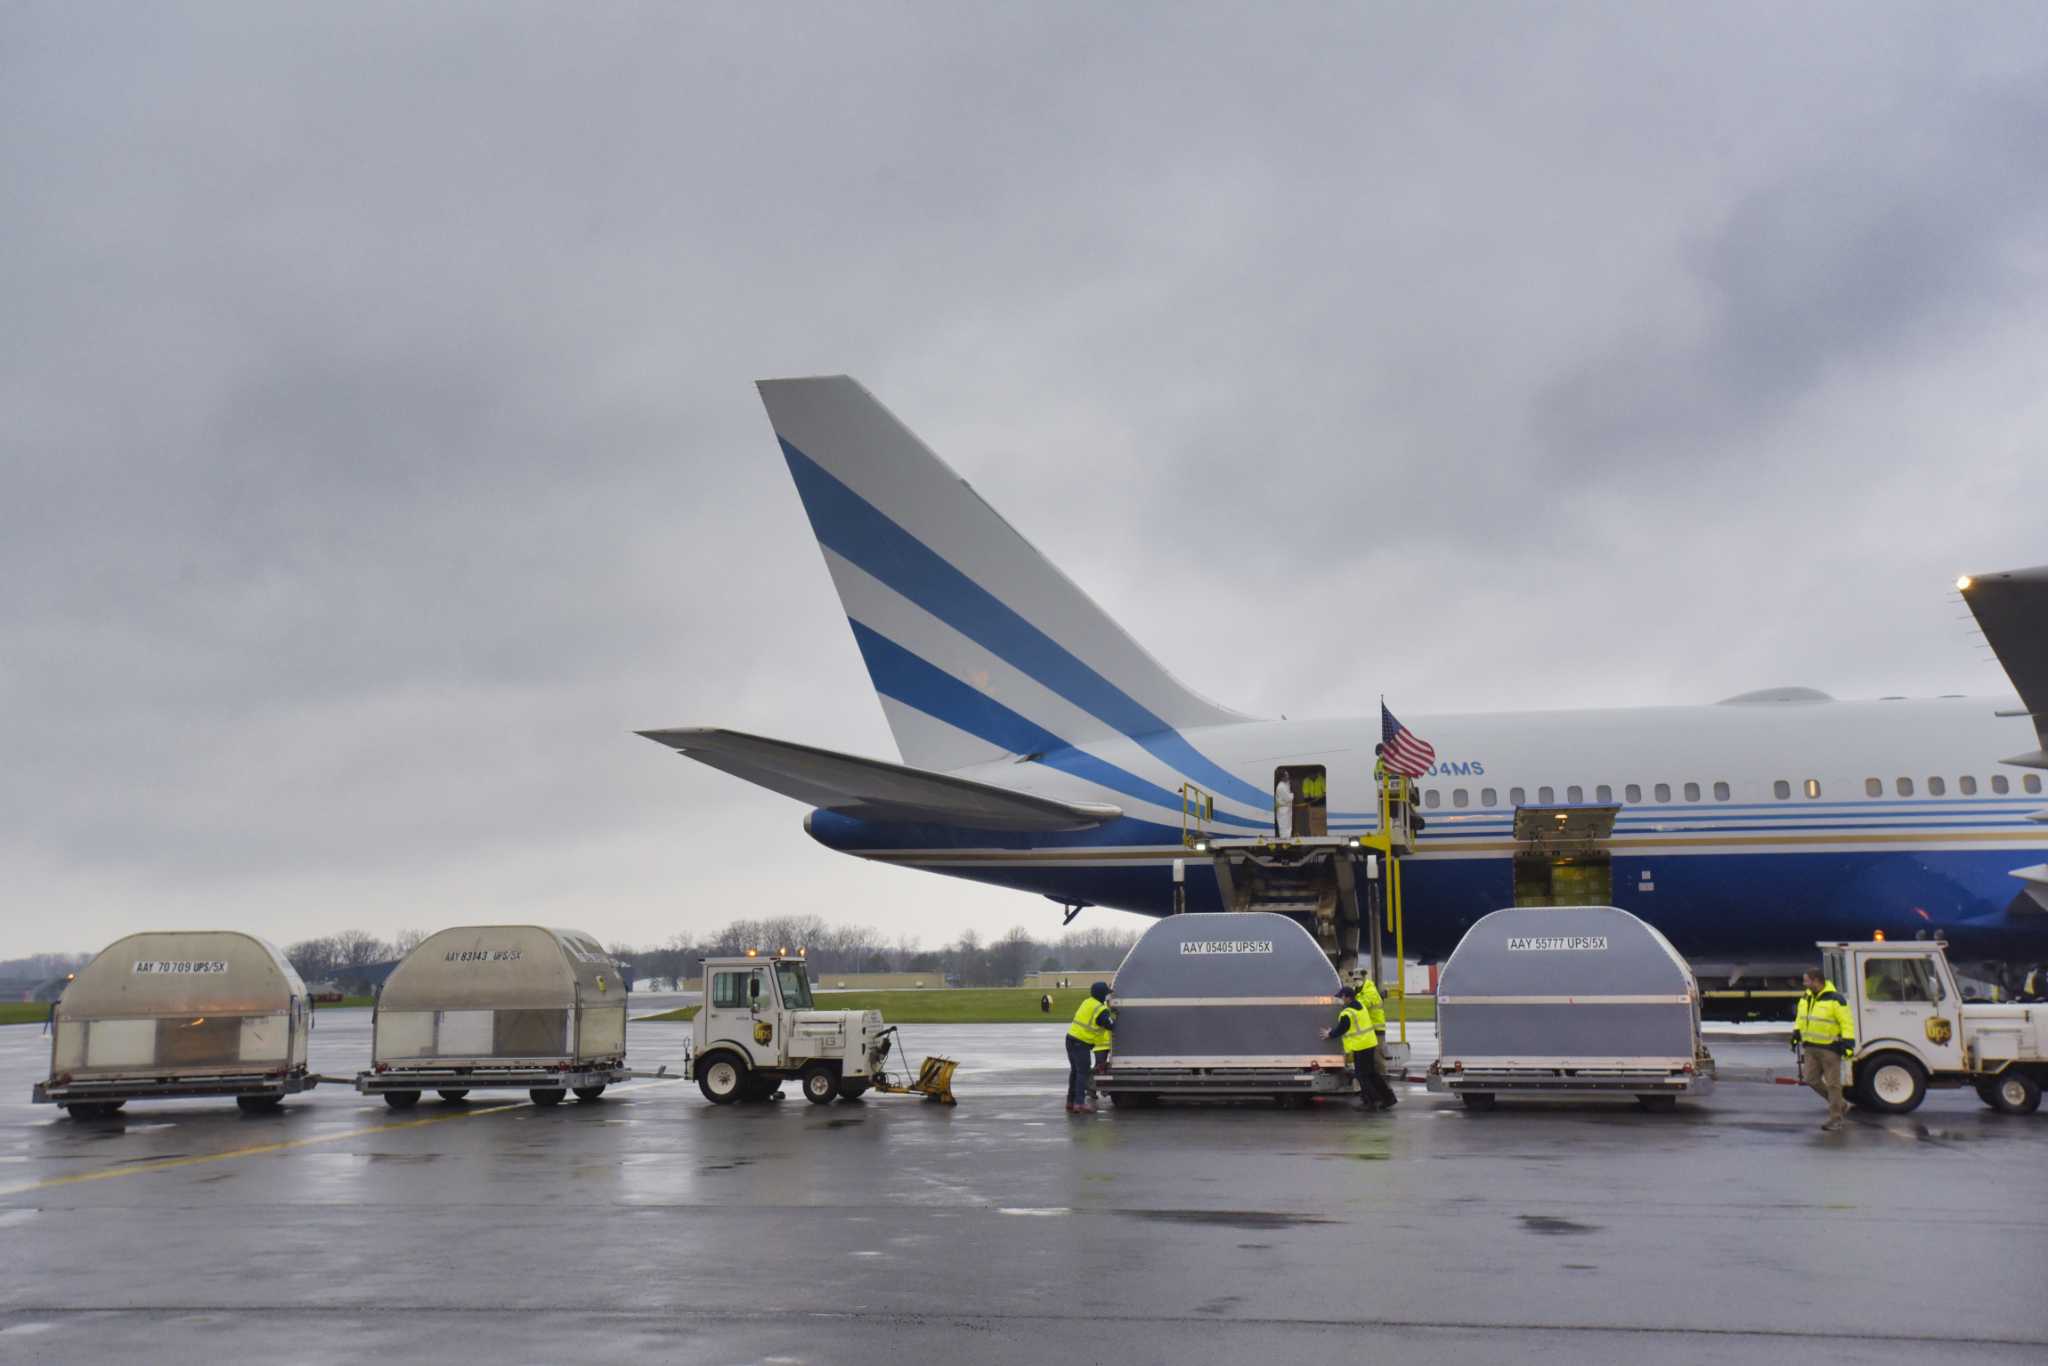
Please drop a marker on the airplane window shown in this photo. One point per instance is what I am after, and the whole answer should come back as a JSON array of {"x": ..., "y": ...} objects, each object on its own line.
[
  {"x": 1487, "y": 796},
  {"x": 1692, "y": 792},
  {"x": 1459, "y": 797},
  {"x": 1781, "y": 789},
  {"x": 1872, "y": 787},
  {"x": 1633, "y": 792},
  {"x": 1999, "y": 784},
  {"x": 1603, "y": 793},
  {"x": 1663, "y": 792},
  {"x": 1905, "y": 787},
  {"x": 1545, "y": 796},
  {"x": 1720, "y": 792},
  {"x": 1813, "y": 787},
  {"x": 1936, "y": 788},
  {"x": 1516, "y": 797},
  {"x": 1432, "y": 799},
  {"x": 1968, "y": 785},
  {"x": 1575, "y": 793},
  {"x": 2032, "y": 782}
]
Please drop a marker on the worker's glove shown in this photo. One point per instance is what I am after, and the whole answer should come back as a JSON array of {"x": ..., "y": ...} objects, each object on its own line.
[{"x": 1795, "y": 1045}]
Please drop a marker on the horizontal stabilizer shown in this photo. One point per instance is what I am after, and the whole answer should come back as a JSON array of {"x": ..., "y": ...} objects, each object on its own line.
[
  {"x": 2036, "y": 879},
  {"x": 2012, "y": 609},
  {"x": 871, "y": 789}
]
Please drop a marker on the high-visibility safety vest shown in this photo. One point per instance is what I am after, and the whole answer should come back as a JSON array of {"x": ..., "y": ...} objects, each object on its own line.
[
  {"x": 1369, "y": 997},
  {"x": 1084, "y": 1027},
  {"x": 1824, "y": 1021},
  {"x": 1359, "y": 1034},
  {"x": 1313, "y": 787}
]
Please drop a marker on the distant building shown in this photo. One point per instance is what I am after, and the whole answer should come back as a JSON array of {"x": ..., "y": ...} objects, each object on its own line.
[
  {"x": 1054, "y": 979},
  {"x": 856, "y": 981}
]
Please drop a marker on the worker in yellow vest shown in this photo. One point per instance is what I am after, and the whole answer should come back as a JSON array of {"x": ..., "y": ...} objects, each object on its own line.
[
  {"x": 1824, "y": 1037},
  {"x": 1369, "y": 997},
  {"x": 1089, "y": 1031},
  {"x": 1361, "y": 1041},
  {"x": 1311, "y": 811}
]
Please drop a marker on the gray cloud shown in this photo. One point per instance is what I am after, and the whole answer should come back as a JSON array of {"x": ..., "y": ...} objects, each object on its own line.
[{"x": 381, "y": 449}]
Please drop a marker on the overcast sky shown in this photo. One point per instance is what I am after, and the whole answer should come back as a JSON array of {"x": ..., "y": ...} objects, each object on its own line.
[{"x": 381, "y": 449}]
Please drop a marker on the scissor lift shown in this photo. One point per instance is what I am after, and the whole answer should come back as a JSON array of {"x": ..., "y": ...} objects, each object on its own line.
[{"x": 1345, "y": 890}]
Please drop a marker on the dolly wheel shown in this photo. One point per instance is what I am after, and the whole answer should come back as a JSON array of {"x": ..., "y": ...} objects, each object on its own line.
[
  {"x": 258, "y": 1105},
  {"x": 2013, "y": 1092},
  {"x": 459, "y": 1093},
  {"x": 820, "y": 1086},
  {"x": 547, "y": 1095},
  {"x": 1657, "y": 1104},
  {"x": 1477, "y": 1100},
  {"x": 590, "y": 1092},
  {"x": 401, "y": 1100}
]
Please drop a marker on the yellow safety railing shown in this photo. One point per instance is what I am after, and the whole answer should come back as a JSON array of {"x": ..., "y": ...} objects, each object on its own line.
[
  {"x": 1197, "y": 809},
  {"x": 1393, "y": 789}
]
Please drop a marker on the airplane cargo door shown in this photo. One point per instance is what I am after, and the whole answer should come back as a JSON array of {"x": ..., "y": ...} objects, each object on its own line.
[{"x": 1562, "y": 856}]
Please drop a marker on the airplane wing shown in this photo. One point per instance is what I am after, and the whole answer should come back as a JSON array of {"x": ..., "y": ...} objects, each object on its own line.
[
  {"x": 2012, "y": 609},
  {"x": 874, "y": 790}
]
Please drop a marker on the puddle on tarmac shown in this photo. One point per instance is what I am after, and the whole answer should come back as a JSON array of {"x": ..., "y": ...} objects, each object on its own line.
[
  {"x": 1548, "y": 1224},
  {"x": 1224, "y": 1218}
]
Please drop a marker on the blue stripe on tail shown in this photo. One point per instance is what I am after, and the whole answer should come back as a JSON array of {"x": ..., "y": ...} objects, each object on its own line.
[
  {"x": 854, "y": 528},
  {"x": 916, "y": 682}
]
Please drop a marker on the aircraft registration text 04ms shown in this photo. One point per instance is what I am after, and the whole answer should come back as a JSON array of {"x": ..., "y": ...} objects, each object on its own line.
[
  {"x": 1556, "y": 942},
  {"x": 1227, "y": 946}
]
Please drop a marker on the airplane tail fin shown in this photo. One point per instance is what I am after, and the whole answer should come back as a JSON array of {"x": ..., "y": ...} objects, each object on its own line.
[{"x": 978, "y": 646}]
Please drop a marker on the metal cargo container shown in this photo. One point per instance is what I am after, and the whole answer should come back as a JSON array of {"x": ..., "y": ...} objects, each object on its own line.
[
  {"x": 1225, "y": 1004},
  {"x": 175, "y": 1013},
  {"x": 1562, "y": 1000},
  {"x": 494, "y": 1006}
]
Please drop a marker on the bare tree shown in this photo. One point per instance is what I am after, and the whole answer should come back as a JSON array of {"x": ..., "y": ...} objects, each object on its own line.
[
  {"x": 313, "y": 959},
  {"x": 405, "y": 941}
]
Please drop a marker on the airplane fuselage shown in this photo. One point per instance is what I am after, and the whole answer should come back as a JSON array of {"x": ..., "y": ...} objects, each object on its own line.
[{"x": 1747, "y": 831}]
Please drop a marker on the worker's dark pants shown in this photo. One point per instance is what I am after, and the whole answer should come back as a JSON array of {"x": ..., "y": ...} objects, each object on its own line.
[
  {"x": 1080, "y": 1058},
  {"x": 1372, "y": 1084}
]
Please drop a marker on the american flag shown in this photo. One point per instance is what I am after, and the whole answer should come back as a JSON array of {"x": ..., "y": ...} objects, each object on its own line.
[{"x": 1406, "y": 753}]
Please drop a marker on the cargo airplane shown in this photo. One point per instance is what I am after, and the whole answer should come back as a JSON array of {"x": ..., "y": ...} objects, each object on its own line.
[{"x": 1044, "y": 750}]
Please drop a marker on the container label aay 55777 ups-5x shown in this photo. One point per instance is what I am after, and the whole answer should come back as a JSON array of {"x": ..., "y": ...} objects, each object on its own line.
[{"x": 1596, "y": 943}]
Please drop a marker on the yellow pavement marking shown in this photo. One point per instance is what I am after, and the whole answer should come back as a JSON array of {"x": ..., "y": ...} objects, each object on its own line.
[{"x": 260, "y": 1149}]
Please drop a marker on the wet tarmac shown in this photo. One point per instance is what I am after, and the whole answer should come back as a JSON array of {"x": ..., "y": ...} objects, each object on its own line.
[{"x": 651, "y": 1223}]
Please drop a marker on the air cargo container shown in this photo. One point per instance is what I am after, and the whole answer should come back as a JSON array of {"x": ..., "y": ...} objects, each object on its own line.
[
  {"x": 497, "y": 1007},
  {"x": 175, "y": 1013},
  {"x": 1568, "y": 1000},
  {"x": 1231, "y": 1004}
]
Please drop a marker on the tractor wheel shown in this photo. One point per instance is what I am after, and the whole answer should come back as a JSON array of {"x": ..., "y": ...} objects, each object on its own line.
[
  {"x": 2014, "y": 1092},
  {"x": 1891, "y": 1083},
  {"x": 820, "y": 1084},
  {"x": 722, "y": 1079},
  {"x": 401, "y": 1100},
  {"x": 547, "y": 1095}
]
